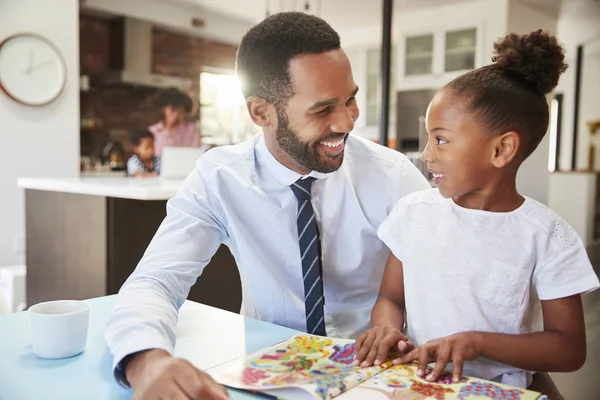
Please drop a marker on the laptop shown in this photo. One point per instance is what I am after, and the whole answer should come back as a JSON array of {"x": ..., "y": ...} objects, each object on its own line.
[{"x": 178, "y": 162}]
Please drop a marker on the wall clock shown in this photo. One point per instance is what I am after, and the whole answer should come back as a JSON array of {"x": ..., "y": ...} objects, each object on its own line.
[{"x": 32, "y": 69}]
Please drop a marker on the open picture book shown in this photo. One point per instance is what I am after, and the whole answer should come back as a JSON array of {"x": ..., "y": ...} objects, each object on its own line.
[{"x": 314, "y": 367}]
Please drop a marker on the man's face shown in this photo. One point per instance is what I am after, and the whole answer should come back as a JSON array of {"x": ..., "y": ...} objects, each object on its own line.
[{"x": 312, "y": 128}]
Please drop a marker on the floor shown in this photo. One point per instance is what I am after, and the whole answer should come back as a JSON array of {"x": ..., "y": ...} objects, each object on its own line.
[{"x": 585, "y": 383}]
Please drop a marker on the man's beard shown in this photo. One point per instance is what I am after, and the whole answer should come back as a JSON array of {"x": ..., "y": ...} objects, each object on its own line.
[{"x": 303, "y": 153}]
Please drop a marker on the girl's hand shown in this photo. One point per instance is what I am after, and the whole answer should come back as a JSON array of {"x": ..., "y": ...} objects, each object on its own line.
[
  {"x": 372, "y": 346},
  {"x": 465, "y": 346}
]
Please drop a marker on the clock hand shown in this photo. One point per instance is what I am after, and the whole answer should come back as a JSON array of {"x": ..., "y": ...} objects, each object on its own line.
[
  {"x": 41, "y": 65},
  {"x": 28, "y": 71}
]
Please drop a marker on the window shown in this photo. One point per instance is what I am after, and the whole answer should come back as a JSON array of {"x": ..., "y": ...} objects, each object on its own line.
[{"x": 224, "y": 118}]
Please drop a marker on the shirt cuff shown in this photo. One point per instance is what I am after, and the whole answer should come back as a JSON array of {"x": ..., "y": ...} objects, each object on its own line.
[
  {"x": 119, "y": 373},
  {"x": 130, "y": 347},
  {"x": 580, "y": 287}
]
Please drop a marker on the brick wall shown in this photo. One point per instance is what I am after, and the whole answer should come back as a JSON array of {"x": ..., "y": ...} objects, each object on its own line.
[
  {"x": 179, "y": 55},
  {"x": 93, "y": 44},
  {"x": 119, "y": 109}
]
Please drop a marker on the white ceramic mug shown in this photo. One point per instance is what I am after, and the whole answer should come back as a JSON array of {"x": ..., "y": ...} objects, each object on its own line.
[{"x": 59, "y": 328}]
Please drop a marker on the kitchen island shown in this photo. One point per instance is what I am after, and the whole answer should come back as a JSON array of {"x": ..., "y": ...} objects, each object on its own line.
[{"x": 84, "y": 237}]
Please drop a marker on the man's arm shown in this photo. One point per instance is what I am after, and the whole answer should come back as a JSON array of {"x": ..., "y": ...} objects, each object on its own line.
[{"x": 145, "y": 315}]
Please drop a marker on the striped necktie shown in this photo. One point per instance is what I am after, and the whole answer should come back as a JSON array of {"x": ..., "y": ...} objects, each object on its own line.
[{"x": 309, "y": 241}]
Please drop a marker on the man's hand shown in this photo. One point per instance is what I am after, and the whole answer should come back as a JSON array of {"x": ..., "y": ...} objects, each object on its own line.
[
  {"x": 155, "y": 374},
  {"x": 465, "y": 346},
  {"x": 372, "y": 346}
]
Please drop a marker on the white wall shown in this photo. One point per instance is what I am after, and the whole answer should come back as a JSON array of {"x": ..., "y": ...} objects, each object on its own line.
[
  {"x": 524, "y": 19},
  {"x": 41, "y": 141},
  {"x": 579, "y": 23},
  {"x": 573, "y": 195},
  {"x": 589, "y": 106},
  {"x": 533, "y": 179}
]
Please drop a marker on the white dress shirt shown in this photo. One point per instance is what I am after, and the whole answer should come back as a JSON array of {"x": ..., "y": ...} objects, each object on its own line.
[{"x": 240, "y": 196}]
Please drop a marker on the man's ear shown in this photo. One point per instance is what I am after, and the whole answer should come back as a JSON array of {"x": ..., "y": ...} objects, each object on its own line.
[
  {"x": 258, "y": 108},
  {"x": 506, "y": 148}
]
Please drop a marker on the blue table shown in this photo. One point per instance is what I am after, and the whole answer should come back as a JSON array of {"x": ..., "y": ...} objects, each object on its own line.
[{"x": 206, "y": 336}]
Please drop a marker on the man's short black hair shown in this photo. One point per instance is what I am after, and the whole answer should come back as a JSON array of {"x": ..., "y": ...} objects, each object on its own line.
[
  {"x": 175, "y": 98},
  {"x": 265, "y": 52},
  {"x": 136, "y": 136}
]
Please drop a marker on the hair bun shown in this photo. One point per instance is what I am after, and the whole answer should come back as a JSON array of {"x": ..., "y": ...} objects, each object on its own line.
[{"x": 537, "y": 58}]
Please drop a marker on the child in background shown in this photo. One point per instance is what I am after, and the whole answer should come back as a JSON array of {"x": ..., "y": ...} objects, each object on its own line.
[
  {"x": 143, "y": 163},
  {"x": 490, "y": 280}
]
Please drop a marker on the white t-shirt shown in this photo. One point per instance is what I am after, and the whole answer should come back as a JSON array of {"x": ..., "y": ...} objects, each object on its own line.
[{"x": 474, "y": 270}]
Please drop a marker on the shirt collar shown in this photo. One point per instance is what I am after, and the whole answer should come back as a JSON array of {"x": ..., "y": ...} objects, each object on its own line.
[{"x": 283, "y": 174}]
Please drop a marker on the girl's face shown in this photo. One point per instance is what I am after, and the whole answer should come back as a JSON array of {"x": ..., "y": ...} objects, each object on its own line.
[{"x": 459, "y": 153}]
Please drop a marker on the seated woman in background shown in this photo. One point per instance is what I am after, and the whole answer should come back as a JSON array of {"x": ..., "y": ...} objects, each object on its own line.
[
  {"x": 143, "y": 163},
  {"x": 173, "y": 130}
]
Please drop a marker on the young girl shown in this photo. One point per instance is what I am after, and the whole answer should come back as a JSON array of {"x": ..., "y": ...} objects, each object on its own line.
[{"x": 490, "y": 280}]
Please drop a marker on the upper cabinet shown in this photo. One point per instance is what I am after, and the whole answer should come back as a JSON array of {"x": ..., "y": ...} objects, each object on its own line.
[
  {"x": 460, "y": 50},
  {"x": 430, "y": 58},
  {"x": 418, "y": 55}
]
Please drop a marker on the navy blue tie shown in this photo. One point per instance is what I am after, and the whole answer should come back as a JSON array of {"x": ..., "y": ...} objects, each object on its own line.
[{"x": 308, "y": 237}]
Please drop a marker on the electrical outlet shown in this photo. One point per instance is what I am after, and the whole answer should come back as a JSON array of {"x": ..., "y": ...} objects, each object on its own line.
[{"x": 19, "y": 244}]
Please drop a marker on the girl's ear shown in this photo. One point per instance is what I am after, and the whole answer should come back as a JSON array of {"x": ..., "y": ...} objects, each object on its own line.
[{"x": 506, "y": 148}]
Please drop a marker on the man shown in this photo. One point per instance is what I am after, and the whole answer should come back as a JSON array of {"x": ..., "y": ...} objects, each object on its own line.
[{"x": 298, "y": 205}]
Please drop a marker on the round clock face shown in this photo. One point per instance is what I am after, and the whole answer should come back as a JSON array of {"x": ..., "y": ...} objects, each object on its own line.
[{"x": 32, "y": 70}]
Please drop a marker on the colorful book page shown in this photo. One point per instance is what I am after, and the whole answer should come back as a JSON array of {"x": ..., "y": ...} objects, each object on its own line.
[
  {"x": 306, "y": 366},
  {"x": 400, "y": 382},
  {"x": 314, "y": 367}
]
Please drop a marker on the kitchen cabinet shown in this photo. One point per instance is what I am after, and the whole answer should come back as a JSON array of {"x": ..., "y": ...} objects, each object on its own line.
[
  {"x": 424, "y": 59},
  {"x": 460, "y": 50},
  {"x": 418, "y": 55},
  {"x": 430, "y": 58}
]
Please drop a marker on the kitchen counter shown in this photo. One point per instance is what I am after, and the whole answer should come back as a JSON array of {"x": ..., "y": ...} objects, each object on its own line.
[
  {"x": 121, "y": 187},
  {"x": 84, "y": 237}
]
